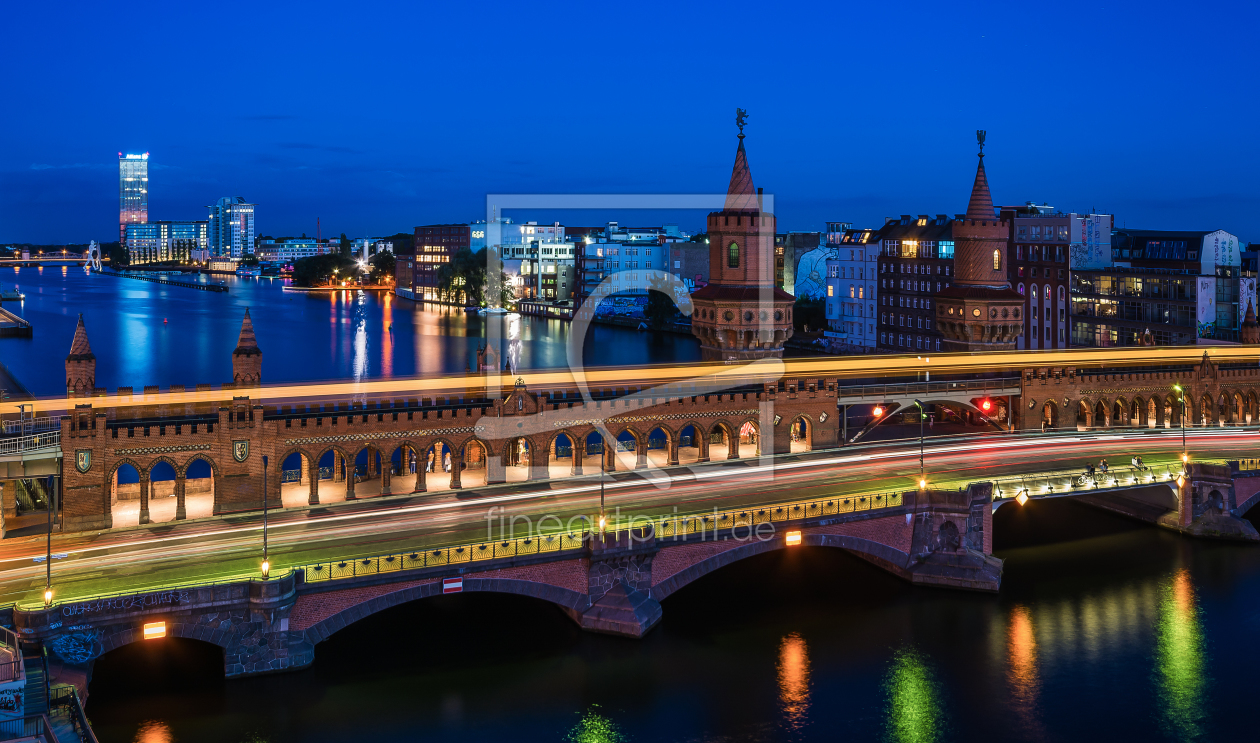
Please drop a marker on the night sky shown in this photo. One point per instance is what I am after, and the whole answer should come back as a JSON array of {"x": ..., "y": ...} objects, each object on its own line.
[{"x": 379, "y": 118}]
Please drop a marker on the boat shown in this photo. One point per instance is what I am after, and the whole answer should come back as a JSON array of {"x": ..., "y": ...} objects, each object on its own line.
[
  {"x": 242, "y": 271},
  {"x": 472, "y": 310},
  {"x": 492, "y": 311}
]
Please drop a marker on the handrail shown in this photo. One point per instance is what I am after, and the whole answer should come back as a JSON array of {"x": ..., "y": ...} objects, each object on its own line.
[
  {"x": 27, "y": 443},
  {"x": 68, "y": 696},
  {"x": 32, "y": 425},
  {"x": 14, "y": 669}
]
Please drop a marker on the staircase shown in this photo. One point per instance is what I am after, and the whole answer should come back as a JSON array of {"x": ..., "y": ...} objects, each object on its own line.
[{"x": 36, "y": 691}]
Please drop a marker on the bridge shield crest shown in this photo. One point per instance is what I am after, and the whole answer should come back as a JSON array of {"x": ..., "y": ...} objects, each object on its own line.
[
  {"x": 83, "y": 460},
  {"x": 240, "y": 450}
]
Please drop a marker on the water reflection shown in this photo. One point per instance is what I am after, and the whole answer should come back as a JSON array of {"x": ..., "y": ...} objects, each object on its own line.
[
  {"x": 1180, "y": 655},
  {"x": 915, "y": 714},
  {"x": 154, "y": 731},
  {"x": 794, "y": 682},
  {"x": 1022, "y": 674},
  {"x": 358, "y": 320},
  {"x": 595, "y": 728}
]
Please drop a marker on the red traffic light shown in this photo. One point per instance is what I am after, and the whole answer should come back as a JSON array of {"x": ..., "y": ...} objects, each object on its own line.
[
  {"x": 986, "y": 405},
  {"x": 879, "y": 410}
]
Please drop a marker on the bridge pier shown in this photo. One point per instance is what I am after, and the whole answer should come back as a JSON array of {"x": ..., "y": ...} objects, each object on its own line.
[
  {"x": 181, "y": 512},
  {"x": 144, "y": 498}
]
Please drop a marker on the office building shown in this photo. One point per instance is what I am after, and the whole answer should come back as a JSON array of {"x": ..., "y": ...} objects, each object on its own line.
[
  {"x": 289, "y": 249},
  {"x": 231, "y": 227},
  {"x": 1180, "y": 286},
  {"x": 435, "y": 245},
  {"x": 155, "y": 242},
  {"x": 133, "y": 191}
]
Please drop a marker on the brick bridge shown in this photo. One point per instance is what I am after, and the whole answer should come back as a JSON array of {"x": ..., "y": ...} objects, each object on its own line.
[
  {"x": 612, "y": 586},
  {"x": 199, "y": 453}
]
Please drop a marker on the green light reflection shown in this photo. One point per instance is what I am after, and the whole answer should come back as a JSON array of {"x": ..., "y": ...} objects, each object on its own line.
[
  {"x": 1181, "y": 660},
  {"x": 595, "y": 728},
  {"x": 915, "y": 714}
]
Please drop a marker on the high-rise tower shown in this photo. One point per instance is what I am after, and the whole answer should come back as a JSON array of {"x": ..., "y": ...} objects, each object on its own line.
[
  {"x": 231, "y": 227},
  {"x": 979, "y": 311},
  {"x": 740, "y": 314},
  {"x": 133, "y": 192}
]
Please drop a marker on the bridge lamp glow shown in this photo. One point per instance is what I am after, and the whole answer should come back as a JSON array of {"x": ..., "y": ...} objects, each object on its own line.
[
  {"x": 154, "y": 630},
  {"x": 922, "y": 484},
  {"x": 266, "y": 567},
  {"x": 986, "y": 405},
  {"x": 48, "y": 597},
  {"x": 1022, "y": 498},
  {"x": 878, "y": 411},
  {"x": 792, "y": 538}
]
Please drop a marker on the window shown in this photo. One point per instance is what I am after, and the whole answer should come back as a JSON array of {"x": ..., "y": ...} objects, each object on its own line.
[
  {"x": 997, "y": 260},
  {"x": 831, "y": 290},
  {"x": 850, "y": 291},
  {"x": 860, "y": 293},
  {"x": 732, "y": 255}
]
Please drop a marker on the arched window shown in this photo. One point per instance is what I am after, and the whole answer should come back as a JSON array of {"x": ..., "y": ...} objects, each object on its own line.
[
  {"x": 732, "y": 255},
  {"x": 1021, "y": 288},
  {"x": 997, "y": 260},
  {"x": 1047, "y": 295}
]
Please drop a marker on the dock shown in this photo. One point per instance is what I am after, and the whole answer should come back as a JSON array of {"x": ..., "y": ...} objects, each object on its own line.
[
  {"x": 12, "y": 326},
  {"x": 11, "y": 296},
  {"x": 168, "y": 282}
]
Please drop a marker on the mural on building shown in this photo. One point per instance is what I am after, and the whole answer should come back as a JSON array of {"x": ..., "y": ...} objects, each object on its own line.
[
  {"x": 811, "y": 273},
  {"x": 1206, "y": 314}
]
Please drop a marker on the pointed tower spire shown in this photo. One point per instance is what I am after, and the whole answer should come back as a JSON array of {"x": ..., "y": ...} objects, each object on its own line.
[
  {"x": 1250, "y": 327},
  {"x": 247, "y": 358},
  {"x": 80, "y": 349},
  {"x": 80, "y": 364},
  {"x": 981, "y": 204},
  {"x": 740, "y": 195}
]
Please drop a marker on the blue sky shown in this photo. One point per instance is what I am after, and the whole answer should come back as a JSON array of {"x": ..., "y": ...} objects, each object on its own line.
[{"x": 377, "y": 117}]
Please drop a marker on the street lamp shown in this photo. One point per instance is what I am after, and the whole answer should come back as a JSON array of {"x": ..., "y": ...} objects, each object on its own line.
[
  {"x": 266, "y": 564},
  {"x": 48, "y": 559},
  {"x": 922, "y": 415},
  {"x": 603, "y": 454}
]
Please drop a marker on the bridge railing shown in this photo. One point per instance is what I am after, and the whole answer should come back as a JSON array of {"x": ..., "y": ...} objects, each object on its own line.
[
  {"x": 29, "y": 443},
  {"x": 10, "y": 645},
  {"x": 663, "y": 527},
  {"x": 1062, "y": 481}
]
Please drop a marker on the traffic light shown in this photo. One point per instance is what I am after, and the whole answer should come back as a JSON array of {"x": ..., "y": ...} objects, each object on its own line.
[
  {"x": 986, "y": 405},
  {"x": 879, "y": 411}
]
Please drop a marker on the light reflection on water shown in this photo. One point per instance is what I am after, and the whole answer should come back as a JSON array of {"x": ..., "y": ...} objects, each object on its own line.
[
  {"x": 1180, "y": 655},
  {"x": 794, "y": 682},
  {"x": 915, "y": 712}
]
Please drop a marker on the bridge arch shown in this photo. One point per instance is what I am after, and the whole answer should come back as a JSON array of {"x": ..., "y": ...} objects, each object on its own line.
[
  {"x": 320, "y": 628},
  {"x": 729, "y": 439},
  {"x": 653, "y": 438},
  {"x": 693, "y": 444},
  {"x": 887, "y": 557},
  {"x": 800, "y": 434},
  {"x": 1119, "y": 413},
  {"x": 1084, "y": 414}
]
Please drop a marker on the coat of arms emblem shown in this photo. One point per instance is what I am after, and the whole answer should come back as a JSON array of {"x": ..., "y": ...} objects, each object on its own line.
[
  {"x": 83, "y": 460},
  {"x": 240, "y": 450}
]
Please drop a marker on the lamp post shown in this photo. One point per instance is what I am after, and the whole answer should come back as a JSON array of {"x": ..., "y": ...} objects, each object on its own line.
[
  {"x": 603, "y": 454},
  {"x": 922, "y": 414},
  {"x": 266, "y": 564},
  {"x": 48, "y": 559}
]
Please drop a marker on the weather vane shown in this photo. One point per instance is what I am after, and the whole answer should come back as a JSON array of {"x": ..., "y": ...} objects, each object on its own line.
[
  {"x": 741, "y": 118},
  {"x": 980, "y": 138}
]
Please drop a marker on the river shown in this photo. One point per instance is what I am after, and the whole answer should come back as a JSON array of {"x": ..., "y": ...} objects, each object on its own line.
[
  {"x": 145, "y": 333},
  {"x": 1105, "y": 629}
]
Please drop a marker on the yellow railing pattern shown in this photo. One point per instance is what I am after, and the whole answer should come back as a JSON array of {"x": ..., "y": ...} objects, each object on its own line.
[{"x": 664, "y": 527}]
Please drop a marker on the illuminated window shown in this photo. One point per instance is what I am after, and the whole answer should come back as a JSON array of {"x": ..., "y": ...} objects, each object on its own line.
[
  {"x": 732, "y": 255},
  {"x": 997, "y": 260}
]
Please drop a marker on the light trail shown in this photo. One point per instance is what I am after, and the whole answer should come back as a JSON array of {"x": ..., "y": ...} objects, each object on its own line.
[{"x": 703, "y": 373}]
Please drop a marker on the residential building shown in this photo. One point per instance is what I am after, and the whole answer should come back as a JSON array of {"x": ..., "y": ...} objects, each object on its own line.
[
  {"x": 154, "y": 242},
  {"x": 1038, "y": 251},
  {"x": 851, "y": 296},
  {"x": 1181, "y": 286},
  {"x": 689, "y": 262},
  {"x": 541, "y": 270},
  {"x": 915, "y": 262},
  {"x": 133, "y": 192},
  {"x": 625, "y": 255},
  {"x": 231, "y": 227}
]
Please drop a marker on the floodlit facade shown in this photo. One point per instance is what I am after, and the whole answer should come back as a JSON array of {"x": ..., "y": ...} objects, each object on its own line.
[
  {"x": 231, "y": 227},
  {"x": 852, "y": 322},
  {"x": 133, "y": 191},
  {"x": 155, "y": 242}
]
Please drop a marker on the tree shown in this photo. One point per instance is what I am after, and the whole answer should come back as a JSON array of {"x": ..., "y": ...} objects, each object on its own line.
[
  {"x": 383, "y": 265},
  {"x": 319, "y": 269},
  {"x": 345, "y": 245},
  {"x": 249, "y": 259},
  {"x": 660, "y": 310}
]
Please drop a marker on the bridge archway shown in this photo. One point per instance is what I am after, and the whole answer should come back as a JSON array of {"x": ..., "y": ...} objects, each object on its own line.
[
  {"x": 888, "y": 557},
  {"x": 124, "y": 493},
  {"x": 1084, "y": 415},
  {"x": 475, "y": 464},
  {"x": 518, "y": 459},
  {"x": 692, "y": 444},
  {"x": 1119, "y": 413},
  {"x": 163, "y": 480},
  {"x": 295, "y": 479},
  {"x": 321, "y": 627},
  {"x": 1137, "y": 412},
  {"x": 333, "y": 465},
  {"x": 439, "y": 465},
  {"x": 1239, "y": 412},
  {"x": 661, "y": 448},
  {"x": 562, "y": 453},
  {"x": 1050, "y": 415},
  {"x": 1251, "y": 407},
  {"x": 628, "y": 450},
  {"x": 800, "y": 434},
  {"x": 1207, "y": 411},
  {"x": 200, "y": 477},
  {"x": 367, "y": 467},
  {"x": 1101, "y": 418},
  {"x": 723, "y": 444}
]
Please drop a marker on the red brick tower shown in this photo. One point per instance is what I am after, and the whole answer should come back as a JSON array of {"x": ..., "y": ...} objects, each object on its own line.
[
  {"x": 247, "y": 358},
  {"x": 1250, "y": 328},
  {"x": 980, "y": 311},
  {"x": 80, "y": 364},
  {"x": 740, "y": 314}
]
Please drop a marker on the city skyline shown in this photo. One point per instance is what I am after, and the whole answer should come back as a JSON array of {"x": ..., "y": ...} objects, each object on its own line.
[{"x": 844, "y": 129}]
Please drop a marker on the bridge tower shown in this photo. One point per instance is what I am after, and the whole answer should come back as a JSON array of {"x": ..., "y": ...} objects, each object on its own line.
[
  {"x": 741, "y": 314},
  {"x": 80, "y": 364},
  {"x": 979, "y": 311},
  {"x": 247, "y": 358}
]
